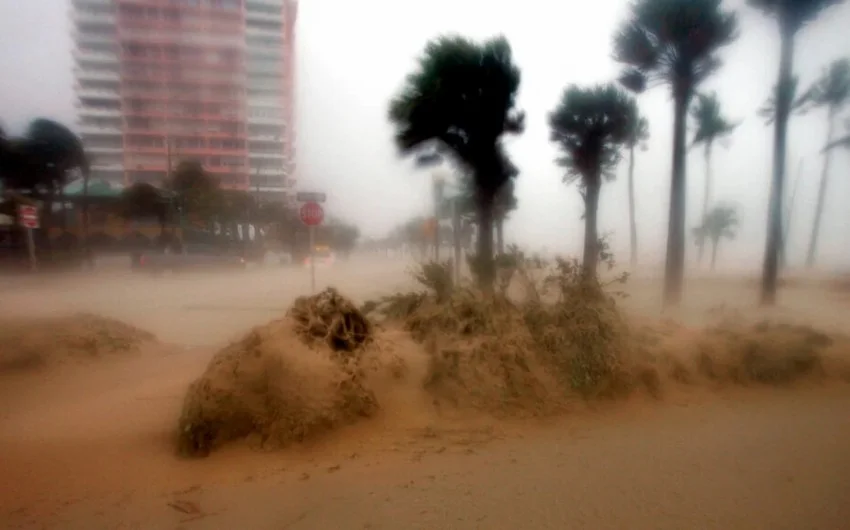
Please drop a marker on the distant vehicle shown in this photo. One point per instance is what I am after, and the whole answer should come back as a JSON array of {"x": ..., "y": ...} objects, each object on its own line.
[
  {"x": 199, "y": 259},
  {"x": 323, "y": 255}
]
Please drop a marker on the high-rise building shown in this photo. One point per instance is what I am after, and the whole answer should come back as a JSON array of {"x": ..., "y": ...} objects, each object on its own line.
[{"x": 159, "y": 81}]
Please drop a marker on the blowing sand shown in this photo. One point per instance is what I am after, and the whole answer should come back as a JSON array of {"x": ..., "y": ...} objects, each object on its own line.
[{"x": 93, "y": 445}]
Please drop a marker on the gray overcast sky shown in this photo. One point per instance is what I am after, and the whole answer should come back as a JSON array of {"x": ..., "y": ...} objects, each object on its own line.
[{"x": 352, "y": 57}]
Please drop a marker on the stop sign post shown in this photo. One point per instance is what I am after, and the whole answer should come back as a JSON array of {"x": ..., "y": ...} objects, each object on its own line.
[
  {"x": 312, "y": 215},
  {"x": 28, "y": 218}
]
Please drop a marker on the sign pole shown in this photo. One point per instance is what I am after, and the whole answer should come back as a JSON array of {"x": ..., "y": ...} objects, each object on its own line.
[
  {"x": 31, "y": 250},
  {"x": 312, "y": 231},
  {"x": 312, "y": 215}
]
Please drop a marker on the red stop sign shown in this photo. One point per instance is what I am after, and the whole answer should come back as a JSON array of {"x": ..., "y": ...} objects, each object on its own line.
[{"x": 312, "y": 214}]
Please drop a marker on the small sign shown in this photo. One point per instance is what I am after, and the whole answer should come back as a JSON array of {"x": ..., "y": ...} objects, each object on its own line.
[
  {"x": 312, "y": 214},
  {"x": 310, "y": 196},
  {"x": 28, "y": 216}
]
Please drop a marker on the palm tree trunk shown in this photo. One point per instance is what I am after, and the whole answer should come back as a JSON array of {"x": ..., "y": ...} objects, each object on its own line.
[
  {"x": 706, "y": 200},
  {"x": 632, "y": 223},
  {"x": 674, "y": 270},
  {"x": 714, "y": 243},
  {"x": 485, "y": 241},
  {"x": 591, "y": 237},
  {"x": 786, "y": 230},
  {"x": 824, "y": 179},
  {"x": 84, "y": 222},
  {"x": 770, "y": 272},
  {"x": 500, "y": 235}
]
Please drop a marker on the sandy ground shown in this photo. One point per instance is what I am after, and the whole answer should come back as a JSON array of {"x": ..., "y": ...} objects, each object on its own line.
[{"x": 90, "y": 447}]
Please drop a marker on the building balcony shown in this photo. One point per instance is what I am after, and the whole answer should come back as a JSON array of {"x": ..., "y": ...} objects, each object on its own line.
[
  {"x": 264, "y": 52},
  {"x": 257, "y": 157},
  {"x": 263, "y": 32},
  {"x": 98, "y": 17},
  {"x": 96, "y": 56},
  {"x": 265, "y": 138},
  {"x": 96, "y": 75},
  {"x": 94, "y": 4},
  {"x": 264, "y": 67},
  {"x": 267, "y": 102},
  {"x": 97, "y": 93},
  {"x": 265, "y": 120},
  {"x": 94, "y": 37},
  {"x": 88, "y": 110},
  {"x": 252, "y": 15},
  {"x": 99, "y": 130}
]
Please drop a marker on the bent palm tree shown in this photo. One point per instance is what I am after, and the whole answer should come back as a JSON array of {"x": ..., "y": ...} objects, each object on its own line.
[
  {"x": 462, "y": 97},
  {"x": 791, "y": 16},
  {"x": 590, "y": 125},
  {"x": 720, "y": 222},
  {"x": 638, "y": 135},
  {"x": 831, "y": 92},
  {"x": 711, "y": 127},
  {"x": 674, "y": 42}
]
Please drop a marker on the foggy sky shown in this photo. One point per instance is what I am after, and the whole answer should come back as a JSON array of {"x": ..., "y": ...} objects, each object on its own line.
[{"x": 353, "y": 56}]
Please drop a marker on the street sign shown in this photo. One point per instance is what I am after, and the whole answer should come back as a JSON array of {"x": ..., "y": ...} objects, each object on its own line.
[
  {"x": 312, "y": 214},
  {"x": 28, "y": 216},
  {"x": 310, "y": 196}
]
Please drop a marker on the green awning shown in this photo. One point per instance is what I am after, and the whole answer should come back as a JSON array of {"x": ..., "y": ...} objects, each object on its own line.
[{"x": 97, "y": 188}]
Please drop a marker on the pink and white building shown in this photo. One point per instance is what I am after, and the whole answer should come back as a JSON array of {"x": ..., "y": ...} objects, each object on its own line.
[{"x": 157, "y": 81}]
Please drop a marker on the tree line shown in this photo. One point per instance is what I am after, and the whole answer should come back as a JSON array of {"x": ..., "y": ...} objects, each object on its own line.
[
  {"x": 37, "y": 166},
  {"x": 459, "y": 104}
]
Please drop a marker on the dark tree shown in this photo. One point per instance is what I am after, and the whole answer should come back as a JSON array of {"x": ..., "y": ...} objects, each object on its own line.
[
  {"x": 720, "y": 222},
  {"x": 590, "y": 125},
  {"x": 830, "y": 92},
  {"x": 462, "y": 97},
  {"x": 638, "y": 135},
  {"x": 676, "y": 43},
  {"x": 791, "y": 16},
  {"x": 711, "y": 126}
]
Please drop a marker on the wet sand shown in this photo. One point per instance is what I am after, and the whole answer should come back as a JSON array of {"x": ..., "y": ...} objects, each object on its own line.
[{"x": 92, "y": 447}]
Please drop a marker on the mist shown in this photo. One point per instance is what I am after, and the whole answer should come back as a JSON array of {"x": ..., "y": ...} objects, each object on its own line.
[{"x": 353, "y": 56}]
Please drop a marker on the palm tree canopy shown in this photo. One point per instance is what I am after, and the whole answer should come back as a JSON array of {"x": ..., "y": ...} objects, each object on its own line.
[
  {"x": 42, "y": 158},
  {"x": 589, "y": 125},
  {"x": 710, "y": 122},
  {"x": 462, "y": 96},
  {"x": 57, "y": 147},
  {"x": 768, "y": 109},
  {"x": 720, "y": 222},
  {"x": 793, "y": 14},
  {"x": 673, "y": 42},
  {"x": 831, "y": 89}
]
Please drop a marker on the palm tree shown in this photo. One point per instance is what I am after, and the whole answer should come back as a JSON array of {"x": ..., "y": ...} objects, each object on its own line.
[
  {"x": 720, "y": 222},
  {"x": 638, "y": 135},
  {"x": 590, "y": 125},
  {"x": 462, "y": 97},
  {"x": 712, "y": 126},
  {"x": 791, "y": 16},
  {"x": 674, "y": 42},
  {"x": 831, "y": 92}
]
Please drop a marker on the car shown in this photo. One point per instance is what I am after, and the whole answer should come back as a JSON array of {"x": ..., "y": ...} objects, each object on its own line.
[{"x": 323, "y": 257}]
